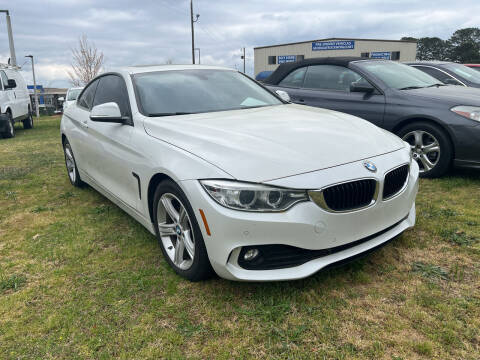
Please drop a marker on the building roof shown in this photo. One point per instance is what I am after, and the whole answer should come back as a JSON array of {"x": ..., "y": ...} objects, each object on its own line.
[
  {"x": 284, "y": 69},
  {"x": 53, "y": 91},
  {"x": 327, "y": 39}
]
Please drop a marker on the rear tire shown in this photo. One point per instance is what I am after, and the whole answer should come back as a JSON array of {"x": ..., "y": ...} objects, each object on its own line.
[
  {"x": 28, "y": 122},
  {"x": 10, "y": 130},
  {"x": 71, "y": 164},
  {"x": 181, "y": 240},
  {"x": 431, "y": 148}
]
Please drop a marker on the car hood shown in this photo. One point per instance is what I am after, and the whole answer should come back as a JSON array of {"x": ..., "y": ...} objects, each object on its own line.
[
  {"x": 272, "y": 142},
  {"x": 452, "y": 94}
]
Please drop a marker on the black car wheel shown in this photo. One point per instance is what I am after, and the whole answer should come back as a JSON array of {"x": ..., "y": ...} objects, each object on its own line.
[
  {"x": 10, "y": 128},
  {"x": 178, "y": 233},
  {"x": 431, "y": 148},
  {"x": 28, "y": 122}
]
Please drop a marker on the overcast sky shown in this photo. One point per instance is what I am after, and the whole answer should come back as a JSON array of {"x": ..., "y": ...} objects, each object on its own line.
[{"x": 153, "y": 31}]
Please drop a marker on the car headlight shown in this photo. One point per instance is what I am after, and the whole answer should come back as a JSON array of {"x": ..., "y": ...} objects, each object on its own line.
[
  {"x": 470, "y": 112},
  {"x": 252, "y": 197}
]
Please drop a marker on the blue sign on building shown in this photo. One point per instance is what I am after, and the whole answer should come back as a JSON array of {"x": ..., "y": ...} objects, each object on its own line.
[
  {"x": 333, "y": 45},
  {"x": 381, "y": 55},
  {"x": 286, "y": 58}
]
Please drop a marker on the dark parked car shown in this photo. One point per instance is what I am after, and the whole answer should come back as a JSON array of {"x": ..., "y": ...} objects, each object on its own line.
[
  {"x": 449, "y": 72},
  {"x": 441, "y": 122}
]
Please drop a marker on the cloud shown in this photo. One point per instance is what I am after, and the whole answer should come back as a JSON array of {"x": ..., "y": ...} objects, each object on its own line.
[{"x": 153, "y": 31}]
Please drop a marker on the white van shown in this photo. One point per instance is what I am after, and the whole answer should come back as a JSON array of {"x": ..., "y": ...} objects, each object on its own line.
[{"x": 15, "y": 103}]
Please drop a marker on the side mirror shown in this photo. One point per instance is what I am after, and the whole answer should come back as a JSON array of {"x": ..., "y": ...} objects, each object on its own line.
[
  {"x": 283, "y": 95},
  {"x": 451, "y": 81},
  {"x": 108, "y": 112},
  {"x": 11, "y": 84},
  {"x": 364, "y": 87}
]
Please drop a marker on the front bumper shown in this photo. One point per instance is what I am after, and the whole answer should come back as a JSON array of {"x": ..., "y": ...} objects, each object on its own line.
[{"x": 305, "y": 225}]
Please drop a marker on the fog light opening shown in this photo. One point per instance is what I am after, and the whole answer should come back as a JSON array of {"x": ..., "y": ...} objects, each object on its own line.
[{"x": 251, "y": 254}]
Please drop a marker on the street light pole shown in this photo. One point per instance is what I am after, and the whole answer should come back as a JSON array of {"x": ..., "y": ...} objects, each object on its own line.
[
  {"x": 191, "y": 24},
  {"x": 37, "y": 111},
  {"x": 198, "y": 55},
  {"x": 13, "y": 58}
]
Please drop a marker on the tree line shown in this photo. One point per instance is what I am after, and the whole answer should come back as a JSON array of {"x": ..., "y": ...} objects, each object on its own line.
[{"x": 462, "y": 47}]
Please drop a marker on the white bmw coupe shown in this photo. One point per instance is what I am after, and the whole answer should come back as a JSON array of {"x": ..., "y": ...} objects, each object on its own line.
[{"x": 231, "y": 178}]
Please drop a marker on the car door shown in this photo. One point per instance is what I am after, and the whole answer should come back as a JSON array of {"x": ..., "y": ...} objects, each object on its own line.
[
  {"x": 114, "y": 158},
  {"x": 8, "y": 96},
  {"x": 328, "y": 86},
  {"x": 78, "y": 136},
  {"x": 292, "y": 84}
]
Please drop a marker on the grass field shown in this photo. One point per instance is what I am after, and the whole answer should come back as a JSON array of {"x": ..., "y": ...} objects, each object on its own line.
[{"x": 80, "y": 279}]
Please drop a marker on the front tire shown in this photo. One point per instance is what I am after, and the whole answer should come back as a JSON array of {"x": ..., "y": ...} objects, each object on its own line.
[
  {"x": 28, "y": 122},
  {"x": 72, "y": 170},
  {"x": 178, "y": 233},
  {"x": 10, "y": 130},
  {"x": 430, "y": 146}
]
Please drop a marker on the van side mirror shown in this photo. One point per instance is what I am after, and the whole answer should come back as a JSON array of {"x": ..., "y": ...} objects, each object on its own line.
[
  {"x": 364, "y": 87},
  {"x": 108, "y": 112},
  {"x": 11, "y": 84}
]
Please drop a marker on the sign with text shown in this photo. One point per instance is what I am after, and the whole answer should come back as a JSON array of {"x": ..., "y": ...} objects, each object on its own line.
[
  {"x": 333, "y": 45},
  {"x": 286, "y": 58},
  {"x": 381, "y": 55}
]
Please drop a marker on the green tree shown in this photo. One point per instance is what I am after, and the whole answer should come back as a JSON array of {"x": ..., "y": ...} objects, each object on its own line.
[
  {"x": 464, "y": 45},
  {"x": 432, "y": 48}
]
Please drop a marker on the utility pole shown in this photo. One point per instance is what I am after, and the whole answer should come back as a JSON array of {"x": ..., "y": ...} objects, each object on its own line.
[
  {"x": 13, "y": 58},
  {"x": 193, "y": 35},
  {"x": 35, "y": 95}
]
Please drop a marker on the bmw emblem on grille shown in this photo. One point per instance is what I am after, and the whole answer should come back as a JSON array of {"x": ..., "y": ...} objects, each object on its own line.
[{"x": 370, "y": 166}]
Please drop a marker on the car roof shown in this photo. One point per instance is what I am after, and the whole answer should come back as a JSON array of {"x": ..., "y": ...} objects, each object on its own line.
[
  {"x": 286, "y": 68},
  {"x": 428, "y": 62},
  {"x": 138, "y": 69}
]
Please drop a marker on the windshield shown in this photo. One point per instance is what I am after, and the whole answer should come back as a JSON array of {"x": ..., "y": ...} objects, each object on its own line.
[
  {"x": 178, "y": 92},
  {"x": 73, "y": 94},
  {"x": 465, "y": 72},
  {"x": 398, "y": 76}
]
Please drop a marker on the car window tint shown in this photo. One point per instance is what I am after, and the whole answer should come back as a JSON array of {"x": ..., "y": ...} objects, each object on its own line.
[
  {"x": 4, "y": 78},
  {"x": 437, "y": 74},
  {"x": 330, "y": 77},
  {"x": 86, "y": 99},
  {"x": 295, "y": 78},
  {"x": 112, "y": 89}
]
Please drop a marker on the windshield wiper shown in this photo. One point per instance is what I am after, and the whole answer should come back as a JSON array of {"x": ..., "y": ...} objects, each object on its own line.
[
  {"x": 412, "y": 87},
  {"x": 437, "y": 85},
  {"x": 168, "y": 114}
]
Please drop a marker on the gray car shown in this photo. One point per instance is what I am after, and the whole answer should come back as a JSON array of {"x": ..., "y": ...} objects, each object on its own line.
[
  {"x": 449, "y": 72},
  {"x": 441, "y": 122}
]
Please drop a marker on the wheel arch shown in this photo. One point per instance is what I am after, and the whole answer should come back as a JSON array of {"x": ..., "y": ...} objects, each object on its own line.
[
  {"x": 152, "y": 186},
  {"x": 410, "y": 120}
]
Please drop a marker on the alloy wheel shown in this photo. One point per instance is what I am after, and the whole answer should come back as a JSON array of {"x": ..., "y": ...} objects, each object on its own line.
[
  {"x": 176, "y": 231},
  {"x": 70, "y": 162},
  {"x": 425, "y": 149}
]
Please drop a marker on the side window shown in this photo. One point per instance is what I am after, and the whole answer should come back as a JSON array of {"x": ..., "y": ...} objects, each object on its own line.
[
  {"x": 272, "y": 60},
  {"x": 300, "y": 58},
  {"x": 86, "y": 99},
  {"x": 395, "y": 55},
  {"x": 4, "y": 79},
  {"x": 295, "y": 78},
  {"x": 112, "y": 88},
  {"x": 437, "y": 74},
  {"x": 331, "y": 77}
]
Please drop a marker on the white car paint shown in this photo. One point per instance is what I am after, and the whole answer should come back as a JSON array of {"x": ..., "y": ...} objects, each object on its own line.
[
  {"x": 16, "y": 100},
  {"x": 71, "y": 96},
  {"x": 284, "y": 145}
]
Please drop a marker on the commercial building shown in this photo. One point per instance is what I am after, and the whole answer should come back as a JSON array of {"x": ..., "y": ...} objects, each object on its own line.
[
  {"x": 267, "y": 58},
  {"x": 50, "y": 100}
]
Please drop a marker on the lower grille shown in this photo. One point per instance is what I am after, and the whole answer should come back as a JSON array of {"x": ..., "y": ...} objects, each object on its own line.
[
  {"x": 395, "y": 181},
  {"x": 347, "y": 196},
  {"x": 273, "y": 257}
]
